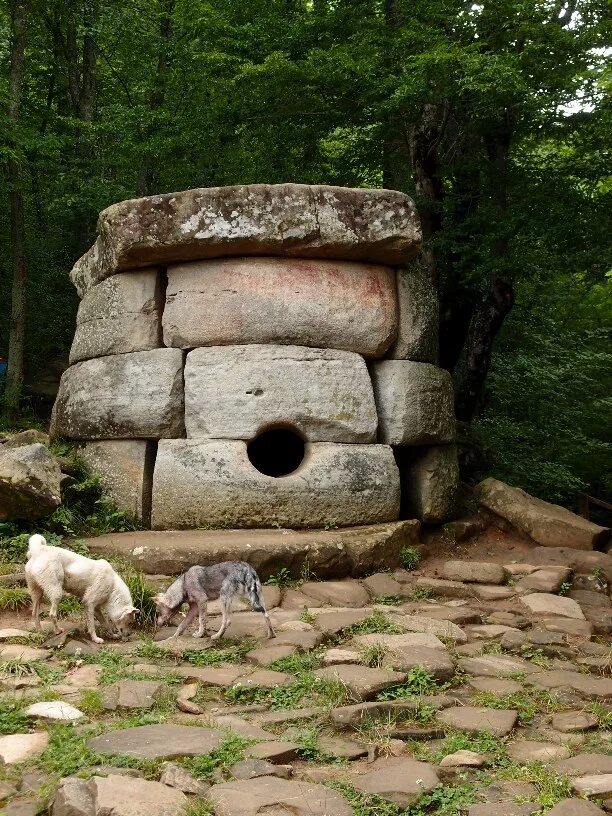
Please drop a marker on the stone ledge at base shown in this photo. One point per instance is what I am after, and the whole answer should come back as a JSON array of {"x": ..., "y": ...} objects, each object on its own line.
[{"x": 327, "y": 553}]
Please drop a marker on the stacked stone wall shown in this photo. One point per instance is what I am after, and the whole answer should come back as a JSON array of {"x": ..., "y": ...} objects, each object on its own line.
[{"x": 212, "y": 318}]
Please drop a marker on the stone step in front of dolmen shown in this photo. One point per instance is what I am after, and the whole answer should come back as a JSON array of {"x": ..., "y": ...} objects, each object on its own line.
[
  {"x": 261, "y": 356},
  {"x": 353, "y": 551}
]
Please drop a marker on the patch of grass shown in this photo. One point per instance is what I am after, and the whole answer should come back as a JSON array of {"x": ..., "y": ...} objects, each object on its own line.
[
  {"x": 69, "y": 605},
  {"x": 199, "y": 807},
  {"x": 226, "y": 651},
  {"x": 297, "y": 663},
  {"x": 282, "y": 578},
  {"x": 67, "y": 753},
  {"x": 308, "y": 740},
  {"x": 114, "y": 665},
  {"x": 387, "y": 600},
  {"x": 375, "y": 624},
  {"x": 603, "y": 714},
  {"x": 421, "y": 594},
  {"x": 12, "y": 718},
  {"x": 481, "y": 743},
  {"x": 307, "y": 690},
  {"x": 227, "y": 754},
  {"x": 418, "y": 682},
  {"x": 31, "y": 639},
  {"x": 150, "y": 650},
  {"x": 446, "y": 800},
  {"x": 492, "y": 647},
  {"x": 20, "y": 668},
  {"x": 552, "y": 787},
  {"x": 536, "y": 656},
  {"x": 142, "y": 596},
  {"x": 374, "y": 655},
  {"x": 528, "y": 705},
  {"x": 91, "y": 703},
  {"x": 14, "y": 598},
  {"x": 308, "y": 617},
  {"x": 410, "y": 558}
]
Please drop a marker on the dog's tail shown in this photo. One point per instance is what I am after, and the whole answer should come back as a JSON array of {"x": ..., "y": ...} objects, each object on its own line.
[
  {"x": 35, "y": 544},
  {"x": 252, "y": 585}
]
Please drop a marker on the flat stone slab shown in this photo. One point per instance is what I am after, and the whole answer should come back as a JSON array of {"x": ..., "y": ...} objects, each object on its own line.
[
  {"x": 575, "y": 807},
  {"x": 158, "y": 741},
  {"x": 496, "y": 666},
  {"x": 534, "y": 751},
  {"x": 268, "y": 794},
  {"x": 573, "y": 721},
  {"x": 295, "y": 220},
  {"x": 361, "y": 681},
  {"x": 546, "y": 604},
  {"x": 479, "y": 572},
  {"x": 331, "y": 552},
  {"x": 433, "y": 626},
  {"x": 55, "y": 710},
  {"x": 473, "y": 720},
  {"x": 132, "y": 694},
  {"x": 398, "y": 780},
  {"x": 398, "y": 647},
  {"x": 16, "y": 651},
  {"x": 582, "y": 764},
  {"x": 20, "y": 747},
  {"x": 495, "y": 685},
  {"x": 593, "y": 785},
  {"x": 128, "y": 796},
  {"x": 336, "y": 593}
]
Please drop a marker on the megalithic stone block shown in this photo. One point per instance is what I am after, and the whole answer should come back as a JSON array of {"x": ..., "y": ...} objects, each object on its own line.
[
  {"x": 293, "y": 301},
  {"x": 201, "y": 483},
  {"x": 125, "y": 396},
  {"x": 414, "y": 403},
  {"x": 295, "y": 220},
  {"x": 430, "y": 482},
  {"x": 119, "y": 315},
  {"x": 233, "y": 392},
  {"x": 125, "y": 470},
  {"x": 418, "y": 317}
]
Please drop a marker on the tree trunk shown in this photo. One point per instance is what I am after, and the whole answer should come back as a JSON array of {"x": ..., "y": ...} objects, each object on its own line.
[
  {"x": 149, "y": 176},
  {"x": 14, "y": 374},
  {"x": 486, "y": 323}
]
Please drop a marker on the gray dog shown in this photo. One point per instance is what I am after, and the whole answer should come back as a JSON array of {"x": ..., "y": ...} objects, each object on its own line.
[{"x": 199, "y": 585}]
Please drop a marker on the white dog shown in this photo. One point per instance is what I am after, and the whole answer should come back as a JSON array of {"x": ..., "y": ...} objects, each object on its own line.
[{"x": 51, "y": 571}]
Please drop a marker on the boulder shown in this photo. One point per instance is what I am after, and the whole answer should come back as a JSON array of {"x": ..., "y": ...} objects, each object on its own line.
[
  {"x": 268, "y": 794},
  {"x": 414, "y": 403},
  {"x": 30, "y": 436},
  {"x": 21, "y": 747},
  {"x": 321, "y": 304},
  {"x": 122, "y": 466},
  {"x": 355, "y": 550},
  {"x": 294, "y": 220},
  {"x": 417, "y": 331},
  {"x": 212, "y": 483},
  {"x": 547, "y": 524},
  {"x": 126, "y": 396},
  {"x": 430, "y": 482},
  {"x": 29, "y": 482},
  {"x": 233, "y": 392},
  {"x": 119, "y": 315}
]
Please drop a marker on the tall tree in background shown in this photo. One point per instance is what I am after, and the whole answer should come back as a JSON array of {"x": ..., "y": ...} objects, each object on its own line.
[{"x": 14, "y": 173}]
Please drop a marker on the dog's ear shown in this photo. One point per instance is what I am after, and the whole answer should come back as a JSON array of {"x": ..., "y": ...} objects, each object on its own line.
[
  {"x": 133, "y": 609},
  {"x": 160, "y": 600}
]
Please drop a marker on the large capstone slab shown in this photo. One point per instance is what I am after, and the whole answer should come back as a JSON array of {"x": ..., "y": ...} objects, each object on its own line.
[
  {"x": 293, "y": 301},
  {"x": 414, "y": 403},
  {"x": 118, "y": 316},
  {"x": 296, "y": 220},
  {"x": 235, "y": 391},
  {"x": 124, "y": 396},
  {"x": 213, "y": 483}
]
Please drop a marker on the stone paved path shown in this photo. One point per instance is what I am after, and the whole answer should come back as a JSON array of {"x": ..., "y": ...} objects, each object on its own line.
[{"x": 476, "y": 688}]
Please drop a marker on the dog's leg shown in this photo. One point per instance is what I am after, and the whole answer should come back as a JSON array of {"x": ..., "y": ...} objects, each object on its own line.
[
  {"x": 189, "y": 617},
  {"x": 225, "y": 617},
  {"x": 36, "y": 594},
  {"x": 90, "y": 612},
  {"x": 271, "y": 633},
  {"x": 55, "y": 596},
  {"x": 202, "y": 609}
]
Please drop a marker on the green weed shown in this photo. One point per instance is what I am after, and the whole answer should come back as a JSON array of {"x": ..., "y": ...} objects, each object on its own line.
[
  {"x": 481, "y": 743},
  {"x": 387, "y": 600},
  {"x": 410, "y": 558},
  {"x": 297, "y": 663},
  {"x": 374, "y": 655},
  {"x": 418, "y": 682},
  {"x": 528, "y": 705},
  {"x": 227, "y": 754},
  {"x": 13, "y": 719},
  {"x": 199, "y": 807},
  {"x": 282, "y": 578},
  {"x": 374, "y": 624},
  {"x": 91, "y": 703},
  {"x": 363, "y": 805},
  {"x": 603, "y": 714},
  {"x": 14, "y": 598},
  {"x": 552, "y": 787},
  {"x": 421, "y": 594},
  {"x": 307, "y": 690},
  {"x": 227, "y": 651},
  {"x": 308, "y": 617}
]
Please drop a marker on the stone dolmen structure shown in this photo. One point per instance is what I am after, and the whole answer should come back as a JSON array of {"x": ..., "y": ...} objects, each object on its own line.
[{"x": 261, "y": 356}]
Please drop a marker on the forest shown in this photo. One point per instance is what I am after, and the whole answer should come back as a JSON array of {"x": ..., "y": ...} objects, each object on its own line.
[{"x": 495, "y": 116}]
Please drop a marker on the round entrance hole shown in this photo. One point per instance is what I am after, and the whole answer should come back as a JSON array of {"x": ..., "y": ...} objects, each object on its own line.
[{"x": 276, "y": 452}]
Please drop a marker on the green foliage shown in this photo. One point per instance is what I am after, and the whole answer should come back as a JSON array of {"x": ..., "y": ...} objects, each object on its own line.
[
  {"x": 91, "y": 703},
  {"x": 142, "y": 595},
  {"x": 421, "y": 594},
  {"x": 552, "y": 786},
  {"x": 13, "y": 719},
  {"x": 387, "y": 600},
  {"x": 306, "y": 690},
  {"x": 226, "y": 651},
  {"x": 418, "y": 681},
  {"x": 14, "y": 598},
  {"x": 375, "y": 623},
  {"x": 410, "y": 558},
  {"x": 297, "y": 663},
  {"x": 228, "y": 753},
  {"x": 482, "y": 743},
  {"x": 603, "y": 714},
  {"x": 282, "y": 578},
  {"x": 528, "y": 704}
]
